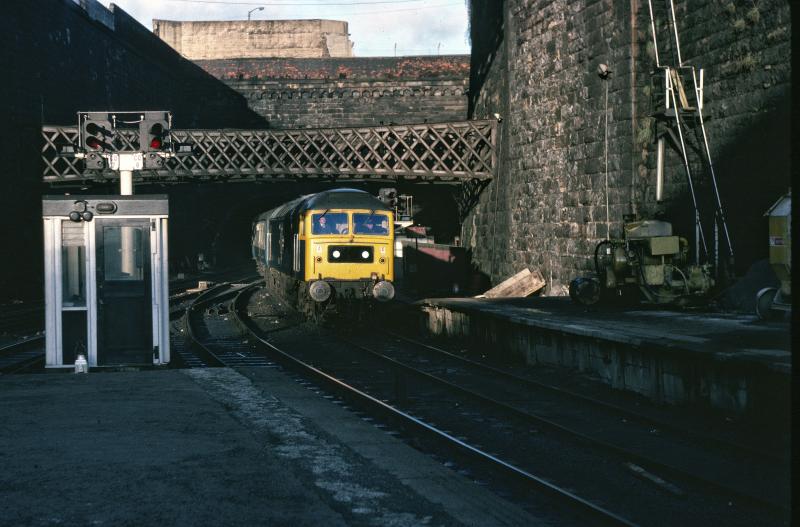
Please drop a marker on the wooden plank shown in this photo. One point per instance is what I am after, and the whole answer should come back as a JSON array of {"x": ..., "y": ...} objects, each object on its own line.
[
  {"x": 522, "y": 284},
  {"x": 676, "y": 79}
]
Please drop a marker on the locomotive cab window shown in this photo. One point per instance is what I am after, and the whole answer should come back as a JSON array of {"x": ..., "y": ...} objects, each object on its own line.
[
  {"x": 329, "y": 223},
  {"x": 371, "y": 224}
]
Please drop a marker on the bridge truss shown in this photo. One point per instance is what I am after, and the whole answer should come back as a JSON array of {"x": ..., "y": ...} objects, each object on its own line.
[{"x": 454, "y": 152}]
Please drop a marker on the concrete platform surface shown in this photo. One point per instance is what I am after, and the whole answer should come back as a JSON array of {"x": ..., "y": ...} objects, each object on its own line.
[
  {"x": 718, "y": 336},
  {"x": 214, "y": 447},
  {"x": 729, "y": 362}
]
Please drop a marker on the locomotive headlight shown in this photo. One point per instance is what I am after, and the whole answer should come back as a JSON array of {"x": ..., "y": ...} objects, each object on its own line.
[
  {"x": 336, "y": 254},
  {"x": 365, "y": 254}
]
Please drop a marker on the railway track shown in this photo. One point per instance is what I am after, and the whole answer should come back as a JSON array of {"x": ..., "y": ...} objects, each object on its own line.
[
  {"x": 445, "y": 441},
  {"x": 475, "y": 420},
  {"x": 21, "y": 356},
  {"x": 204, "y": 336},
  {"x": 625, "y": 413},
  {"x": 214, "y": 327},
  {"x": 731, "y": 469},
  {"x": 497, "y": 436}
]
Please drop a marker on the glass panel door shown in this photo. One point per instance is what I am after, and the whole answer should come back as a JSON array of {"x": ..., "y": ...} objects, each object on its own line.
[{"x": 124, "y": 303}]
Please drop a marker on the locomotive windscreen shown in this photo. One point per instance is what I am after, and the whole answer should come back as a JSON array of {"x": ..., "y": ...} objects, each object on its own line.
[
  {"x": 370, "y": 224},
  {"x": 329, "y": 223}
]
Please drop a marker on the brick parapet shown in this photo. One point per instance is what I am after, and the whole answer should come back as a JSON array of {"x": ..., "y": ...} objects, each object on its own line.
[{"x": 307, "y": 93}]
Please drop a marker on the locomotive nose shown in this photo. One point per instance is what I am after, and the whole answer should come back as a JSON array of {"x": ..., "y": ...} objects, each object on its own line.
[
  {"x": 383, "y": 291},
  {"x": 319, "y": 291}
]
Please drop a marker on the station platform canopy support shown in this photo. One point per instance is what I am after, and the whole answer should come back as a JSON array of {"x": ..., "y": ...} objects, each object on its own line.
[{"x": 106, "y": 280}]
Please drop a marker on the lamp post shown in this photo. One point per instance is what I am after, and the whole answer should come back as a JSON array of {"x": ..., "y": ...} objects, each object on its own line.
[{"x": 251, "y": 11}]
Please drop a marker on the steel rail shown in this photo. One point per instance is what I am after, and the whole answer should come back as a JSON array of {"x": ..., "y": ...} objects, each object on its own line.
[
  {"x": 6, "y": 348},
  {"x": 214, "y": 294},
  {"x": 539, "y": 483},
  {"x": 9, "y": 350},
  {"x": 692, "y": 434},
  {"x": 206, "y": 297},
  {"x": 620, "y": 452}
]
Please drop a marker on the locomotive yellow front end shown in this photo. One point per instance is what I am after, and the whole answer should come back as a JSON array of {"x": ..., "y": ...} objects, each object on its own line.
[{"x": 348, "y": 253}]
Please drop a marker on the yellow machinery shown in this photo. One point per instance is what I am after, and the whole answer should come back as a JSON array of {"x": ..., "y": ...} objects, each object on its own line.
[
  {"x": 771, "y": 301},
  {"x": 649, "y": 259}
]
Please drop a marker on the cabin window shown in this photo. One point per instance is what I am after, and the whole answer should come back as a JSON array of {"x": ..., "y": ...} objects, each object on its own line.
[
  {"x": 371, "y": 224},
  {"x": 73, "y": 264},
  {"x": 329, "y": 223}
]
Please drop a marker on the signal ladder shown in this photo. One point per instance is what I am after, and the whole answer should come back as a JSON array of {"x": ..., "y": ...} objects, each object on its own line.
[{"x": 682, "y": 117}]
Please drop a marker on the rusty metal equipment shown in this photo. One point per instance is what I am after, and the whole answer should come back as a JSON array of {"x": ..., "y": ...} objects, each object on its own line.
[
  {"x": 771, "y": 302},
  {"x": 649, "y": 259}
]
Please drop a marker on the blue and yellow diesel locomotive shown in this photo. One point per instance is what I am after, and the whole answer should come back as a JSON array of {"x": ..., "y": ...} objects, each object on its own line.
[{"x": 327, "y": 247}]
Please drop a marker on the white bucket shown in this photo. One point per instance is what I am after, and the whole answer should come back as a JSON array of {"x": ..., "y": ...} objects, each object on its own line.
[{"x": 81, "y": 366}]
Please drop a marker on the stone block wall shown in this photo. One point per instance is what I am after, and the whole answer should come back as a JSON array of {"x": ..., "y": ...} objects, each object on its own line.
[
  {"x": 313, "y": 93},
  {"x": 537, "y": 68},
  {"x": 64, "y": 56},
  {"x": 256, "y": 38}
]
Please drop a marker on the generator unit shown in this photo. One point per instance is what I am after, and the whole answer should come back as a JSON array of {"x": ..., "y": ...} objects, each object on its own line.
[
  {"x": 772, "y": 302},
  {"x": 650, "y": 260}
]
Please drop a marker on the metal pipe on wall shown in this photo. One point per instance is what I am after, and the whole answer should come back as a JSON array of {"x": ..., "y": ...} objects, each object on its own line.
[{"x": 660, "y": 170}]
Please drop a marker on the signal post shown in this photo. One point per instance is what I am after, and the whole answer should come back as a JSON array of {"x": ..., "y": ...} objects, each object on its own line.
[{"x": 106, "y": 266}]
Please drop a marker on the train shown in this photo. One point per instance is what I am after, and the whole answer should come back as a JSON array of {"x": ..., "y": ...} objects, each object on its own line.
[{"x": 326, "y": 249}]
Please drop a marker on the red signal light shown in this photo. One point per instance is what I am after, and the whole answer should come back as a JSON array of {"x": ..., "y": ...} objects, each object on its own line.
[
  {"x": 93, "y": 142},
  {"x": 155, "y": 143}
]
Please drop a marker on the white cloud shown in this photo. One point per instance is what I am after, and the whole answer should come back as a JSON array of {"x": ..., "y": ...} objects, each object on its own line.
[{"x": 417, "y": 27}]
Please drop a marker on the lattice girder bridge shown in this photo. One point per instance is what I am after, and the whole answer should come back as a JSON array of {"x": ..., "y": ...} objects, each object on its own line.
[{"x": 454, "y": 152}]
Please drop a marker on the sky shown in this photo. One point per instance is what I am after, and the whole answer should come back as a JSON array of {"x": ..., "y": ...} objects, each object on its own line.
[{"x": 416, "y": 27}]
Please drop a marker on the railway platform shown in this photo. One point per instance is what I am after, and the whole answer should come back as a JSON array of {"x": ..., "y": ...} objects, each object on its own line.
[
  {"x": 214, "y": 446},
  {"x": 722, "y": 361}
]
